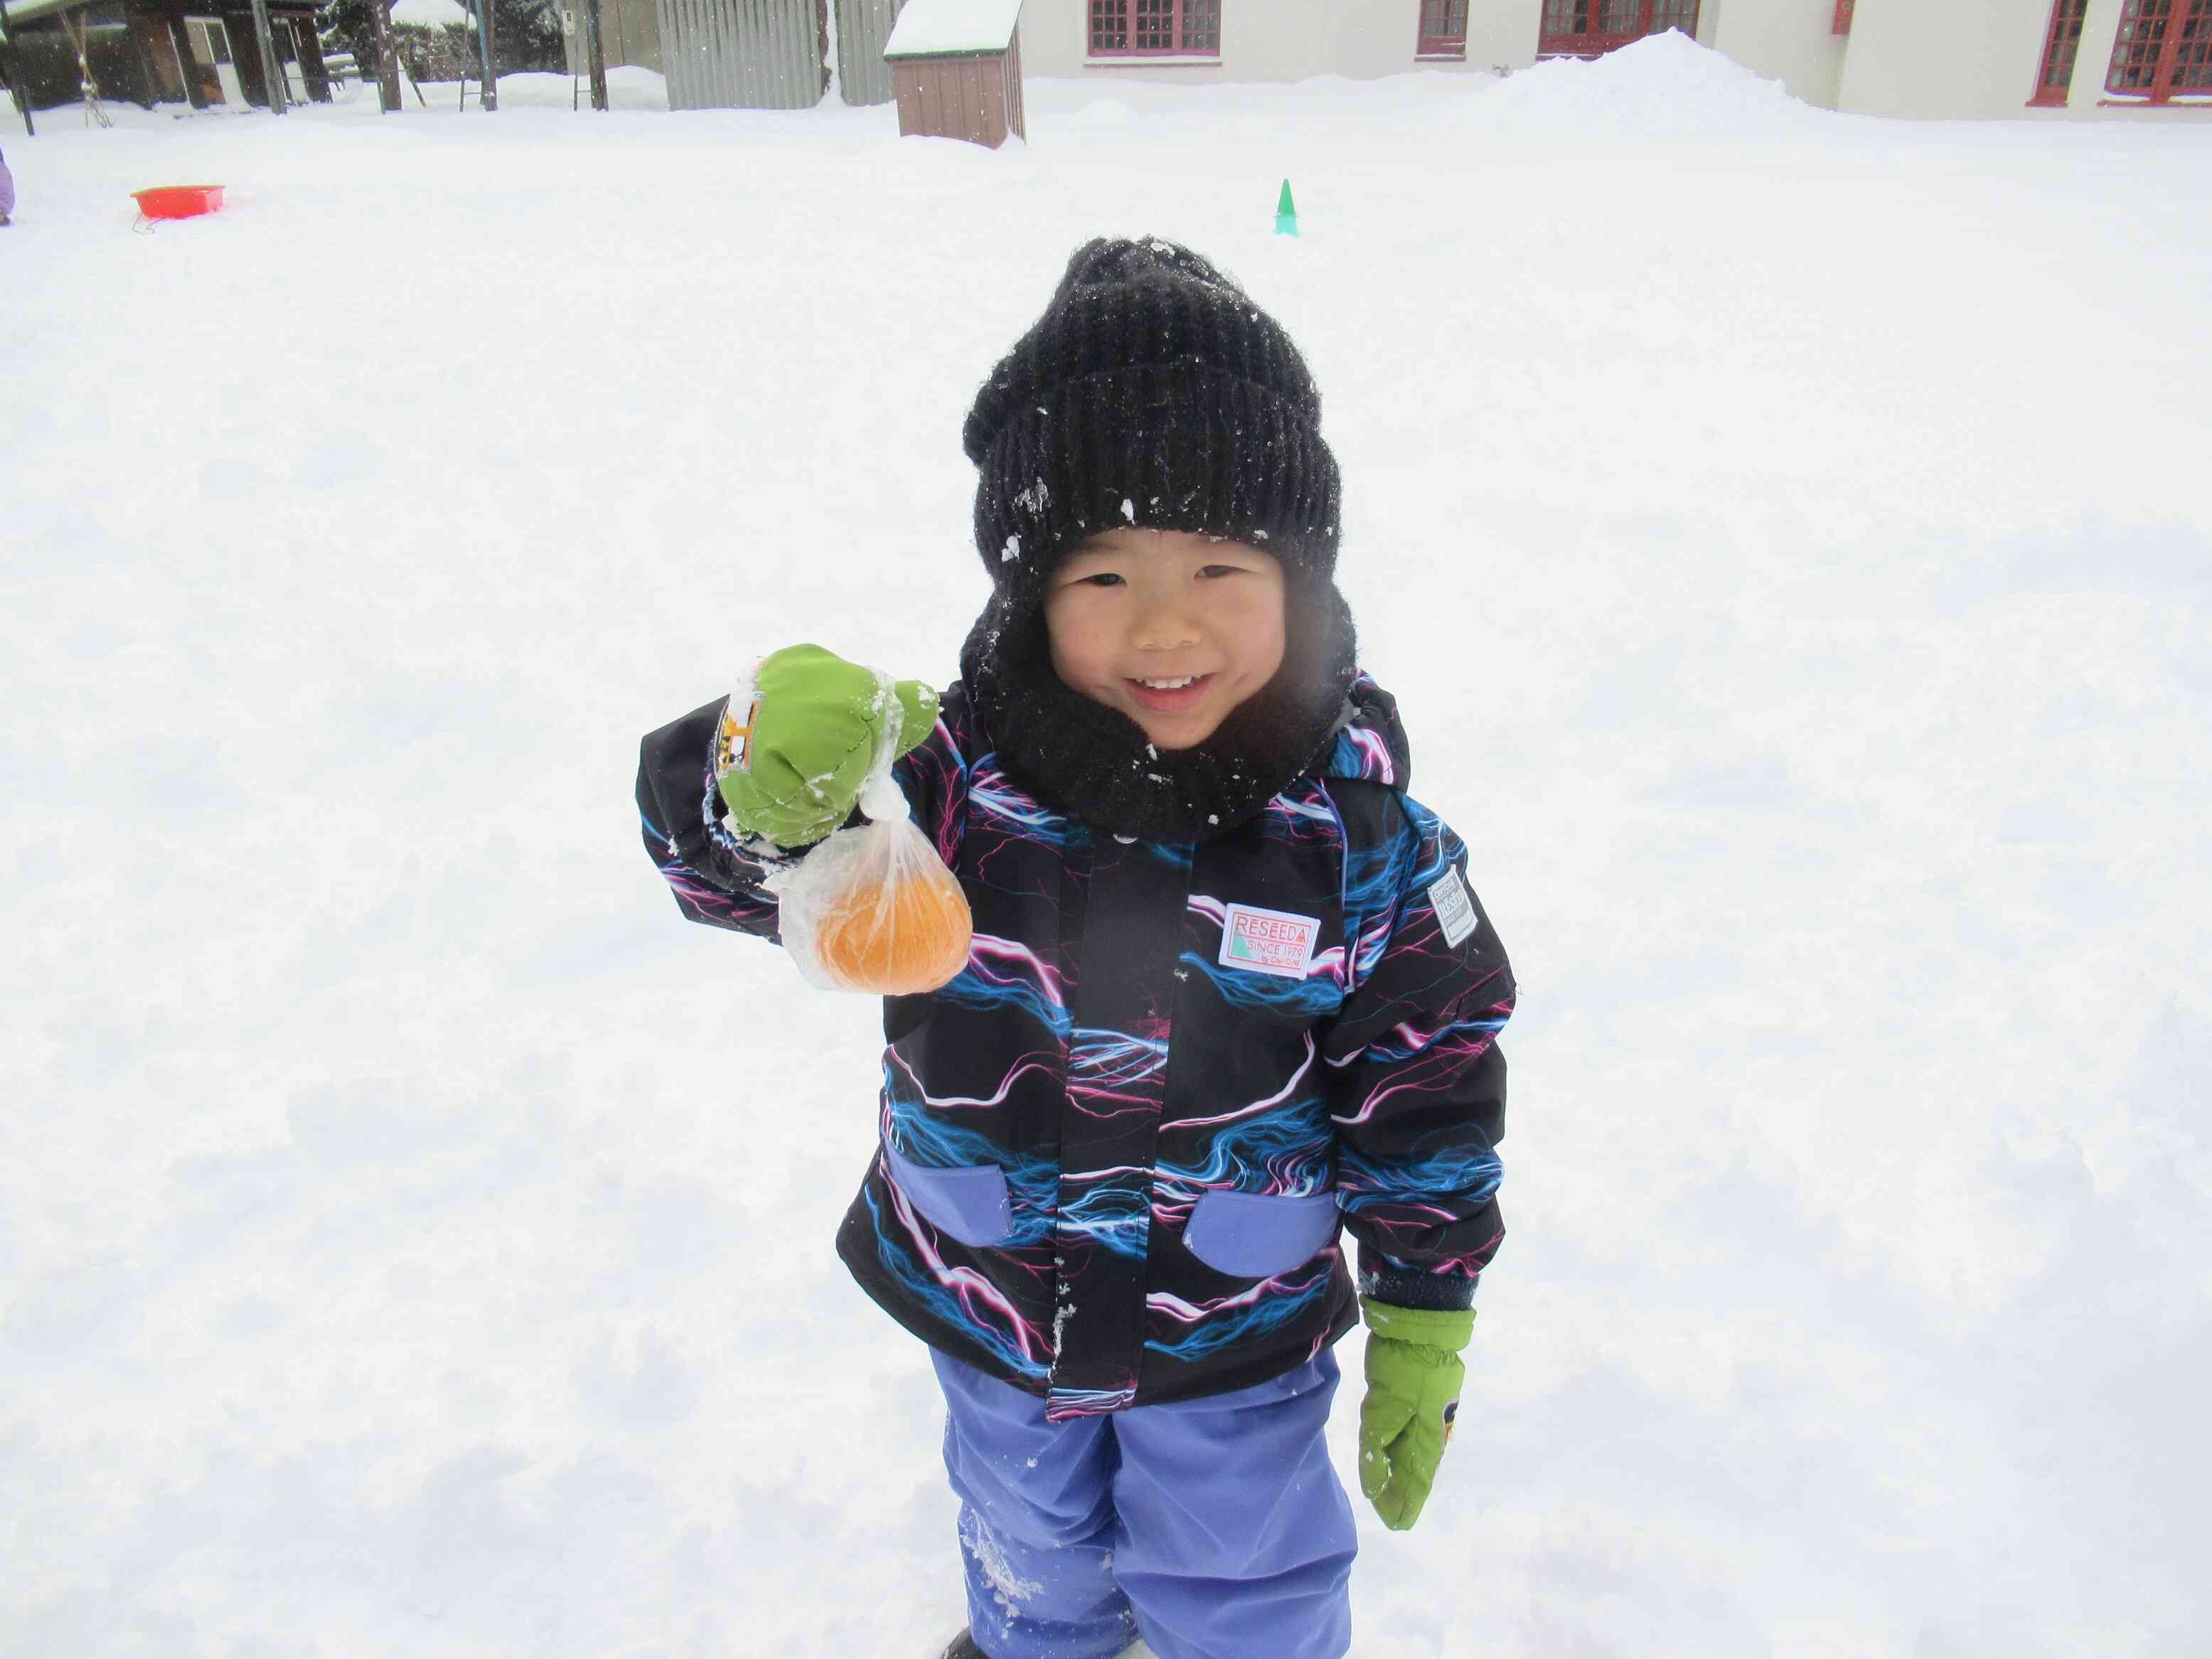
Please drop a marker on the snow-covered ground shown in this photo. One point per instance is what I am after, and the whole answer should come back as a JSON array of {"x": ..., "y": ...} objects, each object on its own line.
[{"x": 1788, "y": 534}]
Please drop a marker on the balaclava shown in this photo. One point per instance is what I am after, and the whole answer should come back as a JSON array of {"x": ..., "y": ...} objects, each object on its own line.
[{"x": 1152, "y": 391}]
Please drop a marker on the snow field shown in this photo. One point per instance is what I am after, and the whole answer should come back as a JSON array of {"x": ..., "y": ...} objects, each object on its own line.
[{"x": 1784, "y": 531}]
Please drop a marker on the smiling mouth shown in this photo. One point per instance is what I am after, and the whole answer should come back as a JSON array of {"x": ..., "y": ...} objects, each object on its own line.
[{"x": 1169, "y": 696}]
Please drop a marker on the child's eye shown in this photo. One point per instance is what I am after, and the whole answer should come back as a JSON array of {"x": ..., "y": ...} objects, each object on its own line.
[
  {"x": 1221, "y": 570},
  {"x": 1104, "y": 579}
]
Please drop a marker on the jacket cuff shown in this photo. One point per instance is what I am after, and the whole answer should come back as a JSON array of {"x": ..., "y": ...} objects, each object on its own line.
[
  {"x": 724, "y": 753},
  {"x": 1405, "y": 1287}
]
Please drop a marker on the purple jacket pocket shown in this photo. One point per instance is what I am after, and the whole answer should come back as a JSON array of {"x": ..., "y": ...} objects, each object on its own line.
[
  {"x": 1259, "y": 1235},
  {"x": 967, "y": 1203}
]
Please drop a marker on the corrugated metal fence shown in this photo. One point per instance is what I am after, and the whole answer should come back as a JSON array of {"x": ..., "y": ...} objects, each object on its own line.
[
  {"x": 864, "y": 26},
  {"x": 744, "y": 54},
  {"x": 767, "y": 54}
]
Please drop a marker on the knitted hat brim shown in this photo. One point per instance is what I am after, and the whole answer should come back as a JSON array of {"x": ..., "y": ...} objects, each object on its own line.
[{"x": 1157, "y": 447}]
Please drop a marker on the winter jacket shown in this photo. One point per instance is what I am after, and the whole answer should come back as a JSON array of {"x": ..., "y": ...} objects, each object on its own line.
[{"x": 1115, "y": 1151}]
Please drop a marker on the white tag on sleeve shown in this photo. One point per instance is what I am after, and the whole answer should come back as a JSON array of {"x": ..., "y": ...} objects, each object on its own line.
[
  {"x": 1454, "y": 906},
  {"x": 1268, "y": 941}
]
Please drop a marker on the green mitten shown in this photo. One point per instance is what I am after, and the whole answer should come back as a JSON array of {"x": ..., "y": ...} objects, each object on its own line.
[
  {"x": 1413, "y": 1377},
  {"x": 796, "y": 746}
]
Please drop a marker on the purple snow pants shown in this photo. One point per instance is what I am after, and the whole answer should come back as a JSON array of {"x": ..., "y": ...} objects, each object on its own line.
[{"x": 1215, "y": 1528}]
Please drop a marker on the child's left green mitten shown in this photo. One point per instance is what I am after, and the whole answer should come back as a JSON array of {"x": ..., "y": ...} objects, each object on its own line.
[{"x": 1413, "y": 1378}]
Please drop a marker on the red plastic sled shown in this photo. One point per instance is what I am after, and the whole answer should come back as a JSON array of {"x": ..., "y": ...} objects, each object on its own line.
[{"x": 179, "y": 201}]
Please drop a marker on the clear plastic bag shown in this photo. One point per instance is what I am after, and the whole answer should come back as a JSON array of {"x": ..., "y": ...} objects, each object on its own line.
[{"x": 872, "y": 908}]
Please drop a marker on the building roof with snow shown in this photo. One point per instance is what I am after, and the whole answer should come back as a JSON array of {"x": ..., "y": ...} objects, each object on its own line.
[{"x": 946, "y": 29}]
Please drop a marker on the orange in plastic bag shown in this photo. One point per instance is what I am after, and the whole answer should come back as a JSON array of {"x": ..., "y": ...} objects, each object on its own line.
[{"x": 872, "y": 908}]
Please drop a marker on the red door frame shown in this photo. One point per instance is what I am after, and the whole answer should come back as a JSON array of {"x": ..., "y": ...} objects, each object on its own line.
[
  {"x": 2061, "y": 43},
  {"x": 2180, "y": 15},
  {"x": 1595, "y": 42}
]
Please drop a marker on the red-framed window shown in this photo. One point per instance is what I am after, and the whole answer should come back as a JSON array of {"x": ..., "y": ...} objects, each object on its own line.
[
  {"x": 1155, "y": 29},
  {"x": 1842, "y": 25},
  {"x": 1586, "y": 28},
  {"x": 2060, "y": 46},
  {"x": 2163, "y": 50},
  {"x": 1444, "y": 29}
]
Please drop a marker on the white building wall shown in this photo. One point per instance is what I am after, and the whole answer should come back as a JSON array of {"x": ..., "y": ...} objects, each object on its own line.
[
  {"x": 1286, "y": 40},
  {"x": 1925, "y": 59},
  {"x": 1962, "y": 58},
  {"x": 1502, "y": 33},
  {"x": 1792, "y": 41},
  {"x": 2100, "y": 28}
]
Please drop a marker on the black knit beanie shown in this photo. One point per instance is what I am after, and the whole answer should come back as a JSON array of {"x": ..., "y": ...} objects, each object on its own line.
[{"x": 1153, "y": 392}]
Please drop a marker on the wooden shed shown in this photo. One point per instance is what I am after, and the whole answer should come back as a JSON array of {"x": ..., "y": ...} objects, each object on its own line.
[
  {"x": 203, "y": 52},
  {"x": 957, "y": 67}
]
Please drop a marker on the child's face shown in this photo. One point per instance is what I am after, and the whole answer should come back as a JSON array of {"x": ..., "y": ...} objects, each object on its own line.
[{"x": 1173, "y": 630}]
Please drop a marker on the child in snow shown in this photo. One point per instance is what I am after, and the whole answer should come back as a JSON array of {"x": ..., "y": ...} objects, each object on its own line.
[
  {"x": 7, "y": 192},
  {"x": 1228, "y": 993}
]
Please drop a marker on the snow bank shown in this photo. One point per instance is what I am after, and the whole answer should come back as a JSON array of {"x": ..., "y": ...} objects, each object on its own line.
[
  {"x": 628, "y": 88},
  {"x": 1665, "y": 86},
  {"x": 432, "y": 14}
]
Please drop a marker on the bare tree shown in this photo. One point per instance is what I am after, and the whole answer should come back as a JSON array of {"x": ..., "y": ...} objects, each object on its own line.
[{"x": 387, "y": 57}]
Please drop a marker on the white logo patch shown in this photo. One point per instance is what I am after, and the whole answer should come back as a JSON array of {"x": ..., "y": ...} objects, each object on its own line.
[
  {"x": 1455, "y": 908},
  {"x": 1268, "y": 941}
]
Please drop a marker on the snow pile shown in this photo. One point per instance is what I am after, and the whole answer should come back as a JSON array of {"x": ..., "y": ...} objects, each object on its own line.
[
  {"x": 628, "y": 87},
  {"x": 431, "y": 14},
  {"x": 1665, "y": 86}
]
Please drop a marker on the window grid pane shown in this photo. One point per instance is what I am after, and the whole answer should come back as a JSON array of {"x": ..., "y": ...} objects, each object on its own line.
[
  {"x": 1588, "y": 27},
  {"x": 1162, "y": 27},
  {"x": 2192, "y": 63},
  {"x": 1201, "y": 26},
  {"x": 1443, "y": 29},
  {"x": 2060, "y": 49},
  {"x": 1155, "y": 26},
  {"x": 2135, "y": 48},
  {"x": 1109, "y": 30},
  {"x": 1442, "y": 18}
]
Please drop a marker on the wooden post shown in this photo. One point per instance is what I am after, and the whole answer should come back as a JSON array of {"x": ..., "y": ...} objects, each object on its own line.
[
  {"x": 272, "y": 72},
  {"x": 14, "y": 67},
  {"x": 599, "y": 54},
  {"x": 309, "y": 46},
  {"x": 487, "y": 97},
  {"x": 180, "y": 42},
  {"x": 134, "y": 25},
  {"x": 387, "y": 57}
]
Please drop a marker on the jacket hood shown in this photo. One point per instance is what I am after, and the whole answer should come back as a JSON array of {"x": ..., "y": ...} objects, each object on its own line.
[{"x": 1370, "y": 744}]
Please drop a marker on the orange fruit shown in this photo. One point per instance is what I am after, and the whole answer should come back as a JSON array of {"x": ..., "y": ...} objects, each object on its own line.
[{"x": 896, "y": 940}]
